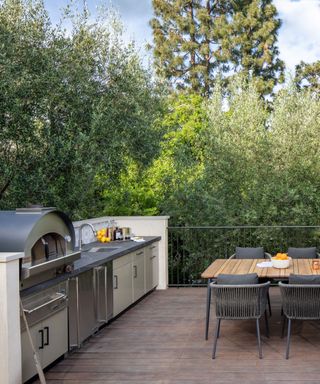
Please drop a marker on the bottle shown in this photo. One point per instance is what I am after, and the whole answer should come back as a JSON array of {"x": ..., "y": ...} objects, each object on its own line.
[{"x": 118, "y": 234}]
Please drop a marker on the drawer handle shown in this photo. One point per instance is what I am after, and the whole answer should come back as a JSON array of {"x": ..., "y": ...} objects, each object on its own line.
[
  {"x": 42, "y": 340},
  {"x": 115, "y": 282},
  {"x": 152, "y": 257},
  {"x": 153, "y": 247},
  {"x": 140, "y": 253},
  {"x": 47, "y": 336}
]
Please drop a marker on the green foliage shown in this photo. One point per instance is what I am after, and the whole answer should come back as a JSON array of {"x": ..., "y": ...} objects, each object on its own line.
[
  {"x": 73, "y": 107},
  {"x": 244, "y": 164},
  {"x": 196, "y": 41},
  {"x": 308, "y": 76}
]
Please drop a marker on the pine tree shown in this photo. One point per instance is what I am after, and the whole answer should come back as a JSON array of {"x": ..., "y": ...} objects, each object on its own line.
[
  {"x": 197, "y": 40},
  {"x": 308, "y": 76}
]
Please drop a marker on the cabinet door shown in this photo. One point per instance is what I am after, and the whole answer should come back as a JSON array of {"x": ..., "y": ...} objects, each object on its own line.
[
  {"x": 152, "y": 267},
  {"x": 100, "y": 284},
  {"x": 55, "y": 336},
  {"x": 73, "y": 305},
  {"x": 28, "y": 364},
  {"x": 155, "y": 265},
  {"x": 122, "y": 288},
  {"x": 138, "y": 275},
  {"x": 87, "y": 321}
]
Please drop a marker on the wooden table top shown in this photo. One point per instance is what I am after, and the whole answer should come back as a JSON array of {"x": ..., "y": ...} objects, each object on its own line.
[{"x": 241, "y": 266}]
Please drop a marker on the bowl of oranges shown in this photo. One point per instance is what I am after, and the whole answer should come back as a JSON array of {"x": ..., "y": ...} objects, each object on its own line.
[{"x": 281, "y": 260}]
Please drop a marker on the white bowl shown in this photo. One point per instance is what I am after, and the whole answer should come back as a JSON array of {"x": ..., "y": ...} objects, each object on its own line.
[{"x": 281, "y": 263}]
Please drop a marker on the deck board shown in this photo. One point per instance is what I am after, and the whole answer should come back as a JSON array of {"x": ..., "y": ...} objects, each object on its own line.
[{"x": 161, "y": 341}]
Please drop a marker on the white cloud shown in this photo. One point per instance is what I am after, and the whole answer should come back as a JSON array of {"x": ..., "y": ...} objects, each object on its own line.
[{"x": 299, "y": 36}]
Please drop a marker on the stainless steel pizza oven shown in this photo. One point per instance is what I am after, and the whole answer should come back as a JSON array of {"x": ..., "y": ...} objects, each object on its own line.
[{"x": 47, "y": 238}]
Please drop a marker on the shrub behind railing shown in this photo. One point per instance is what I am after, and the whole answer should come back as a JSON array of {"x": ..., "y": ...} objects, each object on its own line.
[{"x": 193, "y": 249}]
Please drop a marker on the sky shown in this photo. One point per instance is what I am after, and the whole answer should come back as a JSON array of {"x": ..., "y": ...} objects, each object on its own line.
[{"x": 298, "y": 40}]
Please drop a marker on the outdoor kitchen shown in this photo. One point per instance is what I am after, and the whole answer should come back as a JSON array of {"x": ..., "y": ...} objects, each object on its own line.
[{"x": 70, "y": 284}]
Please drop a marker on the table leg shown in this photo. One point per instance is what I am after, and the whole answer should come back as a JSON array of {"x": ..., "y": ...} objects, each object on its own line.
[{"x": 208, "y": 308}]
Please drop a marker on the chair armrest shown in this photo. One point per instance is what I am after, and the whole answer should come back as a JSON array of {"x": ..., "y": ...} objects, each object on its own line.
[
  {"x": 267, "y": 255},
  {"x": 232, "y": 256}
]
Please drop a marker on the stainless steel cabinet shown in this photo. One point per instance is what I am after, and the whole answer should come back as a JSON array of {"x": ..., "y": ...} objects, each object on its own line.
[
  {"x": 152, "y": 266},
  {"x": 138, "y": 274},
  {"x": 102, "y": 283},
  {"x": 82, "y": 321}
]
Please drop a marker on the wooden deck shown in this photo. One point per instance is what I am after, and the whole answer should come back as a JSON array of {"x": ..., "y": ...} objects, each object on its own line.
[{"x": 161, "y": 341}]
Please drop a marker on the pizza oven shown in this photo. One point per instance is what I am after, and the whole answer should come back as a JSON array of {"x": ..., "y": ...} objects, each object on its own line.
[{"x": 46, "y": 237}]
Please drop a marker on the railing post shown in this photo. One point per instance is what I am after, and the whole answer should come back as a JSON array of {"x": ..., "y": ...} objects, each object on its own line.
[{"x": 10, "y": 339}]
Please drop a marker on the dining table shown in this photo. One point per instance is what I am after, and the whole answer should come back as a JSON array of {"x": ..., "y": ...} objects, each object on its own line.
[{"x": 243, "y": 266}]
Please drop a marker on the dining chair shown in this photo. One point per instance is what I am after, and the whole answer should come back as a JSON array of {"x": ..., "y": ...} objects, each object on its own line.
[
  {"x": 303, "y": 253},
  {"x": 252, "y": 253},
  {"x": 300, "y": 301},
  {"x": 240, "y": 253},
  {"x": 240, "y": 302}
]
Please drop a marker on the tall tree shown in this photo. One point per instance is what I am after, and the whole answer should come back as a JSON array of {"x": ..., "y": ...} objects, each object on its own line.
[
  {"x": 308, "y": 76},
  {"x": 195, "y": 40}
]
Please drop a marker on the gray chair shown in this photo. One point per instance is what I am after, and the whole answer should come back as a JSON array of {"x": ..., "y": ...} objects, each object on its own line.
[
  {"x": 240, "y": 302},
  {"x": 241, "y": 253},
  {"x": 303, "y": 253},
  {"x": 299, "y": 302},
  {"x": 250, "y": 253}
]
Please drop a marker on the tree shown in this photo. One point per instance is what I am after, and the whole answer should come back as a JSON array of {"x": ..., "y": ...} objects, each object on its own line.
[
  {"x": 308, "y": 76},
  {"x": 196, "y": 40},
  {"x": 73, "y": 106}
]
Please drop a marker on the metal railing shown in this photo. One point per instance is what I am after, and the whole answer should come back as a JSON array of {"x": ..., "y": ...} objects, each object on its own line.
[{"x": 193, "y": 249}]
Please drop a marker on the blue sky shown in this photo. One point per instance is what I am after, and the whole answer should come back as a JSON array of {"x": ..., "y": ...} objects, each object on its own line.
[{"x": 299, "y": 36}]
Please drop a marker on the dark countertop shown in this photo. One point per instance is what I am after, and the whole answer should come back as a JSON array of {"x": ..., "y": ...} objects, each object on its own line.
[{"x": 90, "y": 260}]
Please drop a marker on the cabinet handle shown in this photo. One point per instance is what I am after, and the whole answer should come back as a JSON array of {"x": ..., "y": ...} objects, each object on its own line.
[
  {"x": 152, "y": 257},
  {"x": 140, "y": 253},
  {"x": 42, "y": 341},
  {"x": 115, "y": 282},
  {"x": 135, "y": 268},
  {"x": 47, "y": 336},
  {"x": 153, "y": 247}
]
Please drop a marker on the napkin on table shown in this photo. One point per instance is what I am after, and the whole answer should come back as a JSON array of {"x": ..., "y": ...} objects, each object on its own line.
[{"x": 265, "y": 264}]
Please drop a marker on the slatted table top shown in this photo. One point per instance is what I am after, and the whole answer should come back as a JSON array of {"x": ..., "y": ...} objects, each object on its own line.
[{"x": 241, "y": 266}]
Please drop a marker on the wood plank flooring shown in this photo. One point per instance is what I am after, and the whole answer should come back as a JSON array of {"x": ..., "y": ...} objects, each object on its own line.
[{"x": 161, "y": 341}]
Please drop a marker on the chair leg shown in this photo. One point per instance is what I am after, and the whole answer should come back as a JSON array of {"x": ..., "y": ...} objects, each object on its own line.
[
  {"x": 267, "y": 324},
  {"x": 288, "y": 338},
  {"x": 208, "y": 309},
  {"x": 216, "y": 338},
  {"x": 219, "y": 328},
  {"x": 284, "y": 321},
  {"x": 259, "y": 339},
  {"x": 269, "y": 304}
]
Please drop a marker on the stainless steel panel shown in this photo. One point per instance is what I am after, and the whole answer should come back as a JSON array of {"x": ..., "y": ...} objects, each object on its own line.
[
  {"x": 50, "y": 265},
  {"x": 44, "y": 304},
  {"x": 82, "y": 319}
]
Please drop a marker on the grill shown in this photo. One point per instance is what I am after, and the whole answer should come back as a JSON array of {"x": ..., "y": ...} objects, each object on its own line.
[{"x": 45, "y": 236}]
